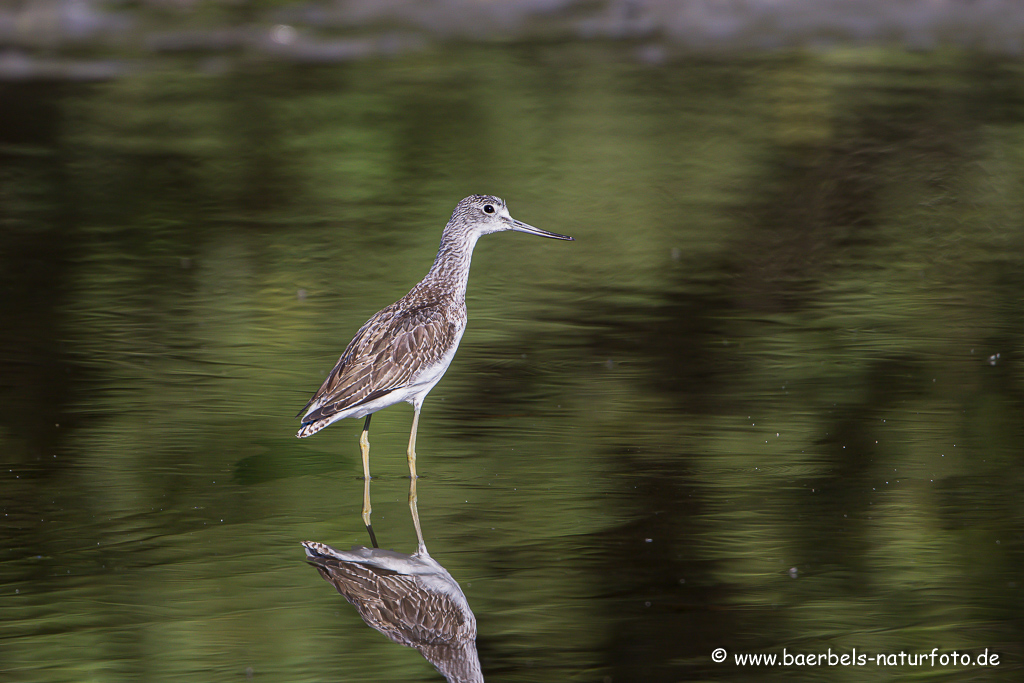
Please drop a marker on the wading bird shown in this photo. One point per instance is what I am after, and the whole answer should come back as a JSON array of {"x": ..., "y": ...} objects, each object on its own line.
[{"x": 402, "y": 351}]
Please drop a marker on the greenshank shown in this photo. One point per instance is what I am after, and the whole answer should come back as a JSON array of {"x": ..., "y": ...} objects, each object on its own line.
[{"x": 402, "y": 351}]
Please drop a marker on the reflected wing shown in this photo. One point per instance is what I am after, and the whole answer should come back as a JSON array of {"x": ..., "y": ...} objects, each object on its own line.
[
  {"x": 406, "y": 597},
  {"x": 397, "y": 605},
  {"x": 387, "y": 353},
  {"x": 409, "y": 598}
]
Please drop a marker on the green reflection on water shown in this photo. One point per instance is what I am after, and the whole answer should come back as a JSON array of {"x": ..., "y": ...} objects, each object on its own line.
[{"x": 787, "y": 337}]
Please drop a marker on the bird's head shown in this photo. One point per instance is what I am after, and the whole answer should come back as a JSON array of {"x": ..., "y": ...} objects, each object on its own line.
[{"x": 484, "y": 214}]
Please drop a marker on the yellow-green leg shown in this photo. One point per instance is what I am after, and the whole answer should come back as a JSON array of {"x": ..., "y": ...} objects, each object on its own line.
[
  {"x": 415, "y": 513},
  {"x": 366, "y": 512},
  {"x": 412, "y": 444},
  {"x": 364, "y": 448}
]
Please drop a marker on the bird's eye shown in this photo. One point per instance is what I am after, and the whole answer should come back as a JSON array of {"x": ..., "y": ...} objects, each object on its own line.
[{"x": 488, "y": 208}]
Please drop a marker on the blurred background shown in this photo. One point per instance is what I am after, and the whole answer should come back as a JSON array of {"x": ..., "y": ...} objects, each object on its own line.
[{"x": 771, "y": 397}]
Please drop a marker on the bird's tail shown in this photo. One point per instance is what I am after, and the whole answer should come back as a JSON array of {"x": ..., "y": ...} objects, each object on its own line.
[
  {"x": 311, "y": 428},
  {"x": 315, "y": 549}
]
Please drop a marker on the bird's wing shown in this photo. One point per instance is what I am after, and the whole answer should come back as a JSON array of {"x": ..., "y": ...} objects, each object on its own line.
[
  {"x": 386, "y": 354},
  {"x": 398, "y": 605},
  {"x": 411, "y": 606}
]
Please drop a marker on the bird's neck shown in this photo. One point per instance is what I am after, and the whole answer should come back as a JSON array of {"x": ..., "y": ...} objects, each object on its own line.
[{"x": 450, "y": 272}]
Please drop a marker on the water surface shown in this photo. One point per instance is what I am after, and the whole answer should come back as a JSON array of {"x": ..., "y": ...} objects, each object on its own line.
[{"x": 770, "y": 398}]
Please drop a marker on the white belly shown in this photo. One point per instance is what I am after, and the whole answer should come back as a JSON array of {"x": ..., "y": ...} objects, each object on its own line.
[{"x": 413, "y": 393}]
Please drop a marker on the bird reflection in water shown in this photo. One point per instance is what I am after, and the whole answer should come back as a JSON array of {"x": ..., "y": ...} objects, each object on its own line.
[{"x": 411, "y": 599}]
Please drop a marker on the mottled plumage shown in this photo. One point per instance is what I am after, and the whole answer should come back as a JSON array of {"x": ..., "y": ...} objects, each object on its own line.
[
  {"x": 411, "y": 599},
  {"x": 402, "y": 351},
  {"x": 388, "y": 353}
]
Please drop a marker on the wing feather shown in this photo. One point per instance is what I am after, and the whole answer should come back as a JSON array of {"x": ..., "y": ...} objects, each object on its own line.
[{"x": 387, "y": 353}]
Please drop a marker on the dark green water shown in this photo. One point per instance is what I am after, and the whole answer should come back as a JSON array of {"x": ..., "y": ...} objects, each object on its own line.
[{"x": 771, "y": 397}]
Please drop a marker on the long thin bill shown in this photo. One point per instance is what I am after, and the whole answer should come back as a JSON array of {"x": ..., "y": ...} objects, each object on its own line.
[{"x": 519, "y": 226}]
